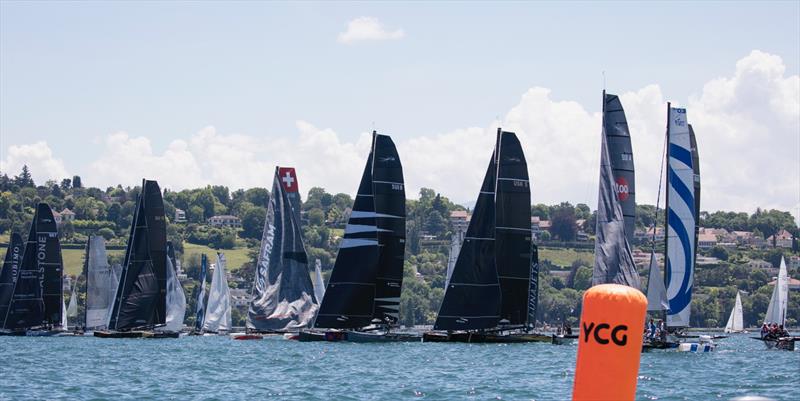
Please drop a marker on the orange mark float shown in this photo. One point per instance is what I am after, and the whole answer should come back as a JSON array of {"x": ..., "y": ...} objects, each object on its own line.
[{"x": 610, "y": 343}]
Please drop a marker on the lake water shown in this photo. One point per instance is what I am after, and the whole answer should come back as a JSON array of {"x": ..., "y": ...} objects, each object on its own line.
[{"x": 209, "y": 368}]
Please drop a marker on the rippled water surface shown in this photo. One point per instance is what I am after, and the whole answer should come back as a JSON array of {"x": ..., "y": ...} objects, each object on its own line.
[{"x": 209, "y": 368}]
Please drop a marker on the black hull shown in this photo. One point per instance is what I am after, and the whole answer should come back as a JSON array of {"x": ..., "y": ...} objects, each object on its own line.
[
  {"x": 136, "y": 334},
  {"x": 783, "y": 343},
  {"x": 485, "y": 338},
  {"x": 563, "y": 339}
]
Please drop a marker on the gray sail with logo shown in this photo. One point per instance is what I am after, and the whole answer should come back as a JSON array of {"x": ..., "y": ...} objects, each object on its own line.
[
  {"x": 100, "y": 284},
  {"x": 283, "y": 294},
  {"x": 613, "y": 261},
  {"x": 620, "y": 154}
]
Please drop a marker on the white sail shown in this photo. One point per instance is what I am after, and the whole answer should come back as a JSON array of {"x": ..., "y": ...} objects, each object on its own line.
[
  {"x": 176, "y": 300},
  {"x": 736, "y": 319},
  {"x": 72, "y": 309},
  {"x": 455, "y": 248},
  {"x": 680, "y": 219},
  {"x": 319, "y": 283},
  {"x": 656, "y": 292},
  {"x": 776, "y": 312},
  {"x": 218, "y": 310},
  {"x": 63, "y": 315}
]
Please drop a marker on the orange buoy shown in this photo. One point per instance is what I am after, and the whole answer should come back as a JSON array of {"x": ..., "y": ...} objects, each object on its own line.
[{"x": 610, "y": 343}]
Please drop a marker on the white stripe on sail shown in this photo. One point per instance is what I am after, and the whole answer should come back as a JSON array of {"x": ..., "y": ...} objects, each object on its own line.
[
  {"x": 361, "y": 228},
  {"x": 357, "y": 214},
  {"x": 356, "y": 242}
]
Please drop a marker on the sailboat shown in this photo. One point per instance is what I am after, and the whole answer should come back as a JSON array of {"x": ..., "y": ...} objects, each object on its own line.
[
  {"x": 37, "y": 300},
  {"x": 218, "y": 311},
  {"x": 362, "y": 300},
  {"x": 9, "y": 275},
  {"x": 101, "y": 286},
  {"x": 283, "y": 299},
  {"x": 736, "y": 319},
  {"x": 140, "y": 302},
  {"x": 200, "y": 302},
  {"x": 319, "y": 283},
  {"x": 487, "y": 297},
  {"x": 176, "y": 298},
  {"x": 613, "y": 261},
  {"x": 776, "y": 313}
]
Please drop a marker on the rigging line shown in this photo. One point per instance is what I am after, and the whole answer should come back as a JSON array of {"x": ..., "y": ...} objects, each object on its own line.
[{"x": 658, "y": 196}]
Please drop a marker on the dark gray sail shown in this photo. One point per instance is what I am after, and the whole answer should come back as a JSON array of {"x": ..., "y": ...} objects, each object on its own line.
[
  {"x": 140, "y": 301},
  {"x": 390, "y": 218},
  {"x": 366, "y": 280},
  {"x": 620, "y": 152},
  {"x": 38, "y": 296},
  {"x": 8, "y": 276},
  {"x": 696, "y": 171},
  {"x": 100, "y": 284},
  {"x": 533, "y": 297},
  {"x": 512, "y": 229},
  {"x": 613, "y": 261},
  {"x": 283, "y": 294},
  {"x": 200, "y": 302},
  {"x": 472, "y": 299}
]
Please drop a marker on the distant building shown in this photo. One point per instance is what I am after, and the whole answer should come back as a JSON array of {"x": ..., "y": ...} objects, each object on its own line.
[
  {"x": 180, "y": 215},
  {"x": 781, "y": 239},
  {"x": 459, "y": 220},
  {"x": 67, "y": 215},
  {"x": 57, "y": 218},
  {"x": 538, "y": 226},
  {"x": 760, "y": 265},
  {"x": 706, "y": 260},
  {"x": 793, "y": 262},
  {"x": 224, "y": 221},
  {"x": 794, "y": 284},
  {"x": 648, "y": 234},
  {"x": 706, "y": 240}
]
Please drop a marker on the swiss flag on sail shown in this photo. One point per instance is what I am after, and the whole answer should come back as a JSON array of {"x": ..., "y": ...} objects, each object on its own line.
[{"x": 288, "y": 179}]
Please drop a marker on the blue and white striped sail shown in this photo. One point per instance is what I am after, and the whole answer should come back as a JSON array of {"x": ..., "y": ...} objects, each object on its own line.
[{"x": 680, "y": 241}]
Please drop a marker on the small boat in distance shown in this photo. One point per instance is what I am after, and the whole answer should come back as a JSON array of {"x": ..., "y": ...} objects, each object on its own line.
[
  {"x": 736, "y": 319},
  {"x": 217, "y": 319},
  {"x": 773, "y": 332}
]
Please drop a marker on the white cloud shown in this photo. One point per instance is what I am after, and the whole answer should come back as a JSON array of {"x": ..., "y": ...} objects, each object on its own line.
[
  {"x": 747, "y": 124},
  {"x": 367, "y": 28},
  {"x": 38, "y": 157}
]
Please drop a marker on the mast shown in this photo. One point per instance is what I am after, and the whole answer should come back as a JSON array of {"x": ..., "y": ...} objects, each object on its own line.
[
  {"x": 283, "y": 294},
  {"x": 140, "y": 300}
]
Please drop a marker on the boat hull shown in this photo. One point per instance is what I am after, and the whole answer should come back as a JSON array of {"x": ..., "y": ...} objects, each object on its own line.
[
  {"x": 485, "y": 338},
  {"x": 363, "y": 337},
  {"x": 563, "y": 339},
  {"x": 136, "y": 334}
]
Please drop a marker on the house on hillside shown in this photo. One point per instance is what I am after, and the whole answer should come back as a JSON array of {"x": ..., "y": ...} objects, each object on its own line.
[
  {"x": 459, "y": 220},
  {"x": 706, "y": 240},
  {"x": 781, "y": 239},
  {"x": 67, "y": 215},
  {"x": 180, "y": 215},
  {"x": 224, "y": 221}
]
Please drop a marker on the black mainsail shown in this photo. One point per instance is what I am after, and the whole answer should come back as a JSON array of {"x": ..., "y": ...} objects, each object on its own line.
[
  {"x": 618, "y": 137},
  {"x": 367, "y": 277},
  {"x": 533, "y": 298},
  {"x": 283, "y": 294},
  {"x": 513, "y": 229},
  {"x": 140, "y": 301},
  {"x": 38, "y": 295},
  {"x": 8, "y": 276},
  {"x": 613, "y": 260},
  {"x": 491, "y": 280}
]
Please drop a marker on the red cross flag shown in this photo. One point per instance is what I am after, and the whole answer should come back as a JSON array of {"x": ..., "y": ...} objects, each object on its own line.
[{"x": 288, "y": 179}]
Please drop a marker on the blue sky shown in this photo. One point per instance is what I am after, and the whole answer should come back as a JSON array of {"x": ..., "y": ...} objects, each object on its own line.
[{"x": 71, "y": 74}]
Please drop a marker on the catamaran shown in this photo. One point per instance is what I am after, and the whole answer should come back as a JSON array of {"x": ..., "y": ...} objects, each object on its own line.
[
  {"x": 37, "y": 297},
  {"x": 217, "y": 318},
  {"x": 487, "y": 296},
  {"x": 283, "y": 298},
  {"x": 775, "y": 319},
  {"x": 140, "y": 302},
  {"x": 736, "y": 319},
  {"x": 362, "y": 300}
]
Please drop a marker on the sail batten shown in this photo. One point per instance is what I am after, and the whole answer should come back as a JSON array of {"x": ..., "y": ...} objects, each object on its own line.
[{"x": 283, "y": 294}]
